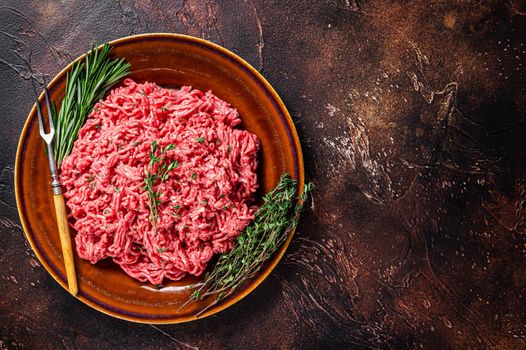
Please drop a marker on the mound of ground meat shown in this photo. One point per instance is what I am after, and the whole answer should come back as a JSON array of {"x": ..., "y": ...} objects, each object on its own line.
[{"x": 203, "y": 203}]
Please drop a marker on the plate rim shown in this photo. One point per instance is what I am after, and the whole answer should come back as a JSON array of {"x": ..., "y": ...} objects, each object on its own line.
[{"x": 256, "y": 281}]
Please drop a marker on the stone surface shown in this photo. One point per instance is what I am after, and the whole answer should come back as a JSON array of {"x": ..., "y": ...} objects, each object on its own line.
[{"x": 412, "y": 120}]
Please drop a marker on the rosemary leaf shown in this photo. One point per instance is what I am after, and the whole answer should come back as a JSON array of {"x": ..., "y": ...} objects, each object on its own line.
[{"x": 86, "y": 83}]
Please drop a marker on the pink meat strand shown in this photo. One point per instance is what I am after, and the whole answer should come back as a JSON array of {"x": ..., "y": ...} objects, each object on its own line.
[{"x": 204, "y": 204}]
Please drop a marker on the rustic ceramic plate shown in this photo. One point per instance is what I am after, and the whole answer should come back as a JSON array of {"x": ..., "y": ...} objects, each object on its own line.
[{"x": 169, "y": 60}]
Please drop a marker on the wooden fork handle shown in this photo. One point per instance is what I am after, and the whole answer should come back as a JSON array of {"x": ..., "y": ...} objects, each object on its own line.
[{"x": 65, "y": 241}]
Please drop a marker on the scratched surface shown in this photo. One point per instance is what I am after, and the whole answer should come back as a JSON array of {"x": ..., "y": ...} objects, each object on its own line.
[{"x": 412, "y": 120}]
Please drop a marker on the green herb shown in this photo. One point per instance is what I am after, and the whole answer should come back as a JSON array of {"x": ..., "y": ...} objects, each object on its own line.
[
  {"x": 154, "y": 178},
  {"x": 204, "y": 202},
  {"x": 173, "y": 165},
  {"x": 273, "y": 222},
  {"x": 160, "y": 250},
  {"x": 176, "y": 207},
  {"x": 164, "y": 108},
  {"x": 117, "y": 189},
  {"x": 193, "y": 176},
  {"x": 90, "y": 178},
  {"x": 97, "y": 126},
  {"x": 86, "y": 83},
  {"x": 200, "y": 139},
  {"x": 225, "y": 207},
  {"x": 222, "y": 195},
  {"x": 135, "y": 144},
  {"x": 119, "y": 146},
  {"x": 152, "y": 195},
  {"x": 229, "y": 149}
]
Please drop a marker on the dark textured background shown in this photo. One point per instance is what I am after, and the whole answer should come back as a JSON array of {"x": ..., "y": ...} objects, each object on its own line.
[{"x": 412, "y": 119}]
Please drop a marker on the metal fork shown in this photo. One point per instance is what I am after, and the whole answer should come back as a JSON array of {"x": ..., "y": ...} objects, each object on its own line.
[{"x": 58, "y": 197}]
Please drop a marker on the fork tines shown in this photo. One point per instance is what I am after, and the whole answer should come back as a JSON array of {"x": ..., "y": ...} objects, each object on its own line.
[{"x": 48, "y": 137}]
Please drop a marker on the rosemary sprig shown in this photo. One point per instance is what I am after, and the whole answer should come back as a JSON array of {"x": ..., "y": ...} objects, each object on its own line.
[
  {"x": 273, "y": 222},
  {"x": 152, "y": 175},
  {"x": 86, "y": 83}
]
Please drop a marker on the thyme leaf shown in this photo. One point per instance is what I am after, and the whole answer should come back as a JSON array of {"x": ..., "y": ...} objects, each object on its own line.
[
  {"x": 155, "y": 177},
  {"x": 273, "y": 222}
]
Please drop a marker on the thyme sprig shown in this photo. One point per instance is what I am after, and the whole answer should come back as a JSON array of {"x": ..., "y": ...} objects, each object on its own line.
[
  {"x": 273, "y": 222},
  {"x": 86, "y": 83},
  {"x": 156, "y": 175}
]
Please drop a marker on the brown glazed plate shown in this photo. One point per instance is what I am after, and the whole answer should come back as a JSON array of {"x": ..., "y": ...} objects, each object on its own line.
[{"x": 170, "y": 60}]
